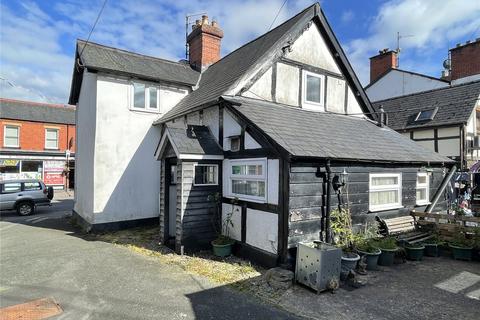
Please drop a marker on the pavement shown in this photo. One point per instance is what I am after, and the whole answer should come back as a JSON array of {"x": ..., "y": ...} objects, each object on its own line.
[{"x": 43, "y": 257}]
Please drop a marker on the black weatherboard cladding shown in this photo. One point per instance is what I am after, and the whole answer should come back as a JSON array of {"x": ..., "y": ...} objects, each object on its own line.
[
  {"x": 23, "y": 110},
  {"x": 307, "y": 202},
  {"x": 305, "y": 133},
  {"x": 455, "y": 105}
]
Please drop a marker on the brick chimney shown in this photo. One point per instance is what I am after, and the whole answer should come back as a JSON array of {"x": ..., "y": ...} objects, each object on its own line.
[
  {"x": 465, "y": 60},
  {"x": 381, "y": 63},
  {"x": 204, "y": 43}
]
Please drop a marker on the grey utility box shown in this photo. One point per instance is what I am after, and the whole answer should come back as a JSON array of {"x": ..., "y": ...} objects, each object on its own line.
[{"x": 318, "y": 265}]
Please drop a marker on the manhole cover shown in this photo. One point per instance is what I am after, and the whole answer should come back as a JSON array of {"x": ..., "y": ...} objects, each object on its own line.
[{"x": 33, "y": 310}]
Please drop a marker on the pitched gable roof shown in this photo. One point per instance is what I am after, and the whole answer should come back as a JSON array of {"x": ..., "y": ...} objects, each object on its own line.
[
  {"x": 454, "y": 105},
  {"x": 223, "y": 76},
  {"x": 37, "y": 112},
  {"x": 103, "y": 58},
  {"x": 339, "y": 137}
]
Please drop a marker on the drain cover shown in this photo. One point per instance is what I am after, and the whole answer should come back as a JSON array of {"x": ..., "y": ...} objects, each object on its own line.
[{"x": 33, "y": 310}]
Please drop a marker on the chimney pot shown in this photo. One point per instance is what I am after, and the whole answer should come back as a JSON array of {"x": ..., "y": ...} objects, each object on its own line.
[
  {"x": 214, "y": 23},
  {"x": 204, "y": 19}
]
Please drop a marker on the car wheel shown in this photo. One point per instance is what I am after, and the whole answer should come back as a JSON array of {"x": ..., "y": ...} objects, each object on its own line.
[{"x": 25, "y": 208}]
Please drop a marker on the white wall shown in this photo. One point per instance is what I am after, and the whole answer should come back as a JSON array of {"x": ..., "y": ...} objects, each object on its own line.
[
  {"x": 262, "y": 88},
  {"x": 250, "y": 143},
  {"x": 210, "y": 119},
  {"x": 288, "y": 84},
  {"x": 117, "y": 176},
  {"x": 230, "y": 128},
  {"x": 397, "y": 83},
  {"x": 449, "y": 147},
  {"x": 335, "y": 95},
  {"x": 234, "y": 232},
  {"x": 262, "y": 230},
  {"x": 85, "y": 146}
]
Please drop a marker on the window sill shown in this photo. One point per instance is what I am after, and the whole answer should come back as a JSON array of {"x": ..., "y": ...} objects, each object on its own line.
[
  {"x": 392, "y": 207},
  {"x": 10, "y": 147},
  {"x": 51, "y": 149},
  {"x": 246, "y": 199},
  {"x": 145, "y": 110},
  {"x": 425, "y": 203}
]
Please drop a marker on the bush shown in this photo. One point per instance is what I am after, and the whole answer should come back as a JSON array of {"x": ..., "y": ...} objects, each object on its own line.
[
  {"x": 460, "y": 240},
  {"x": 388, "y": 243}
]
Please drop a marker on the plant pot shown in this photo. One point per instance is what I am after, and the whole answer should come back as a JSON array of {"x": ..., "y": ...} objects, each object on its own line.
[
  {"x": 415, "y": 253},
  {"x": 222, "y": 250},
  {"x": 461, "y": 253},
  {"x": 387, "y": 257},
  {"x": 371, "y": 258},
  {"x": 349, "y": 261},
  {"x": 431, "y": 250}
]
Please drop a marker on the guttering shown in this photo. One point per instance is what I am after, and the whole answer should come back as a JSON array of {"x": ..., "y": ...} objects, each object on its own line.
[{"x": 440, "y": 190}]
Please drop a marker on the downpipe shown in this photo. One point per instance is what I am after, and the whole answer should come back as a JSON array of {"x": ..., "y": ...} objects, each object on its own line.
[
  {"x": 440, "y": 190},
  {"x": 327, "y": 213}
]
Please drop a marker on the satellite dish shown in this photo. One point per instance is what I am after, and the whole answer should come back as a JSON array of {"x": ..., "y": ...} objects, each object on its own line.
[{"x": 446, "y": 63}]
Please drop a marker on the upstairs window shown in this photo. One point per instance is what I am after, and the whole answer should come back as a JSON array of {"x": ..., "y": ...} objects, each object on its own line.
[
  {"x": 426, "y": 115},
  {"x": 422, "y": 188},
  {"x": 385, "y": 191},
  {"x": 313, "y": 91},
  {"x": 145, "y": 97},
  {"x": 51, "y": 138},
  {"x": 11, "y": 136}
]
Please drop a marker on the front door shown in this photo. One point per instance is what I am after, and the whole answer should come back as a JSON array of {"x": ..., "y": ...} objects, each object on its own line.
[{"x": 172, "y": 201}]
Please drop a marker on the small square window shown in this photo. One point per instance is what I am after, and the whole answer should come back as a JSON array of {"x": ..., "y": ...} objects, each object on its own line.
[
  {"x": 426, "y": 115},
  {"x": 145, "y": 97},
  {"x": 313, "y": 91},
  {"x": 51, "y": 138},
  {"x": 206, "y": 174}
]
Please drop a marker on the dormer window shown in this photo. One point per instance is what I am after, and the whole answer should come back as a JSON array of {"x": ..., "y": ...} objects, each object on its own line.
[
  {"x": 426, "y": 115},
  {"x": 313, "y": 91},
  {"x": 145, "y": 97}
]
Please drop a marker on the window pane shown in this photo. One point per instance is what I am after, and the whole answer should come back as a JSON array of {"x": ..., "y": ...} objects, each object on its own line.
[
  {"x": 206, "y": 175},
  {"x": 173, "y": 174},
  {"x": 31, "y": 166},
  {"x": 251, "y": 170},
  {"x": 52, "y": 134},
  {"x": 11, "y": 141},
  {"x": 30, "y": 186},
  {"x": 11, "y": 136},
  {"x": 12, "y": 187},
  {"x": 139, "y": 95},
  {"x": 153, "y": 98},
  {"x": 383, "y": 197},
  {"x": 384, "y": 181},
  {"x": 248, "y": 187},
  {"x": 235, "y": 144},
  {"x": 422, "y": 179},
  {"x": 421, "y": 194},
  {"x": 313, "y": 88}
]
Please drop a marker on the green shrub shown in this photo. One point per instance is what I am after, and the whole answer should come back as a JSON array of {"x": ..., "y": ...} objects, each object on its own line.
[{"x": 388, "y": 243}]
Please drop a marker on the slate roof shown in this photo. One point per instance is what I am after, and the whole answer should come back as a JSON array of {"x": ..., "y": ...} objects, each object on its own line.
[
  {"x": 197, "y": 140},
  {"x": 223, "y": 76},
  {"x": 38, "y": 112},
  {"x": 455, "y": 105},
  {"x": 103, "y": 58},
  {"x": 304, "y": 133}
]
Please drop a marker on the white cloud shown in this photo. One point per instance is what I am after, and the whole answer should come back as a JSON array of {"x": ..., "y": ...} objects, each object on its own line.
[
  {"x": 347, "y": 16},
  {"x": 432, "y": 23}
]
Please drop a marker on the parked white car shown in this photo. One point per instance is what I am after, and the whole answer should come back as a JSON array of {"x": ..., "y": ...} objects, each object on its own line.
[{"x": 24, "y": 195}]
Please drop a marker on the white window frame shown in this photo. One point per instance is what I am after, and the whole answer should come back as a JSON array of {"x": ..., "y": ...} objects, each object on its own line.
[
  {"x": 398, "y": 188},
  {"x": 146, "y": 97},
  {"x": 58, "y": 138},
  {"x": 426, "y": 186},
  {"x": 312, "y": 105},
  {"x": 205, "y": 165},
  {"x": 5, "y": 136},
  {"x": 262, "y": 177}
]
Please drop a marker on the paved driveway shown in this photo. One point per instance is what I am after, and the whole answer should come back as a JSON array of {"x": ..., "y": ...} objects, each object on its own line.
[{"x": 42, "y": 256}]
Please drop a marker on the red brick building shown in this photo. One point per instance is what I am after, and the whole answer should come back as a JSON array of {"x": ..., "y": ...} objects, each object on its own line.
[{"x": 37, "y": 141}]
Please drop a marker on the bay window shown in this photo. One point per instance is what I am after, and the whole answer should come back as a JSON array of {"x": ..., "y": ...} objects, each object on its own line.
[
  {"x": 248, "y": 179},
  {"x": 422, "y": 188},
  {"x": 385, "y": 191}
]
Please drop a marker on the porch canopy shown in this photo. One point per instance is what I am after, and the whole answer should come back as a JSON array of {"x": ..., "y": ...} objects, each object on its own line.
[{"x": 192, "y": 143}]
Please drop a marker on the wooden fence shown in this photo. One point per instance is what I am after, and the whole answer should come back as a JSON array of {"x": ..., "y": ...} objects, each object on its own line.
[{"x": 446, "y": 224}]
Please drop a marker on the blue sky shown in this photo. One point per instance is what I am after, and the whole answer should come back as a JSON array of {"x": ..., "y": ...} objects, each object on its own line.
[{"x": 37, "y": 38}]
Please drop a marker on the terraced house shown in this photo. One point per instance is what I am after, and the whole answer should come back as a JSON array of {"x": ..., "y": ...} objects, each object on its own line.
[{"x": 276, "y": 128}]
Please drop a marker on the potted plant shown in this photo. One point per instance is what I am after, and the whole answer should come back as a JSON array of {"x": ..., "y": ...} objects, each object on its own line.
[
  {"x": 388, "y": 246},
  {"x": 367, "y": 247},
  {"x": 414, "y": 251},
  {"x": 223, "y": 244},
  {"x": 341, "y": 226},
  {"x": 461, "y": 246},
  {"x": 432, "y": 246}
]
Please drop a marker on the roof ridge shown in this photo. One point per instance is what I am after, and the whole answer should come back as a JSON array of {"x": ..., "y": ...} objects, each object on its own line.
[
  {"x": 428, "y": 91},
  {"x": 135, "y": 53},
  {"x": 34, "y": 103}
]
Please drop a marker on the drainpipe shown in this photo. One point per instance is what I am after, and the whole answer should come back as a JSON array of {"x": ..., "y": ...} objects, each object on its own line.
[
  {"x": 440, "y": 190},
  {"x": 327, "y": 213}
]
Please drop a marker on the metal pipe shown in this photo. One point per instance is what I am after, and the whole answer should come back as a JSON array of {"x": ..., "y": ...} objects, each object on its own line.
[
  {"x": 327, "y": 213},
  {"x": 440, "y": 190}
]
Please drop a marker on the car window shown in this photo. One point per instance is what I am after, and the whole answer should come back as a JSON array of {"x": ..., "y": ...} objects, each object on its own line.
[
  {"x": 11, "y": 187},
  {"x": 31, "y": 186}
]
